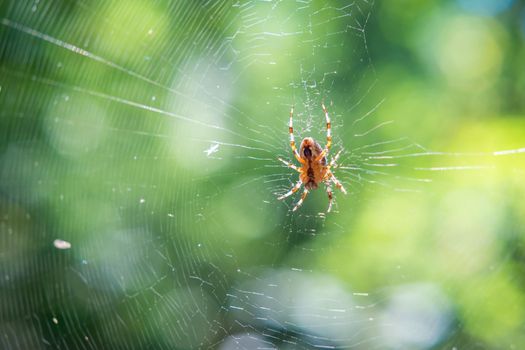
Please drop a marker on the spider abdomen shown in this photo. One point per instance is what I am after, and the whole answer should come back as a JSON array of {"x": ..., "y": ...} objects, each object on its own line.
[
  {"x": 310, "y": 178},
  {"x": 313, "y": 173}
]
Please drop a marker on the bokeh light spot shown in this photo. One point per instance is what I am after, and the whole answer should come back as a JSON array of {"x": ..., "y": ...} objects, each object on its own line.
[
  {"x": 486, "y": 7},
  {"x": 469, "y": 52}
]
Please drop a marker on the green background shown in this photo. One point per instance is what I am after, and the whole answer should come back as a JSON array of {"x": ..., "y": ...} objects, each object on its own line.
[{"x": 146, "y": 135}]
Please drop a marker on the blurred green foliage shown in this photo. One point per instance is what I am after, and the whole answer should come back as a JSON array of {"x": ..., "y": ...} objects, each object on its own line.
[{"x": 146, "y": 134}]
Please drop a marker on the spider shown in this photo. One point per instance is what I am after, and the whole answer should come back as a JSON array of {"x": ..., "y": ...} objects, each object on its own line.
[{"x": 314, "y": 168}]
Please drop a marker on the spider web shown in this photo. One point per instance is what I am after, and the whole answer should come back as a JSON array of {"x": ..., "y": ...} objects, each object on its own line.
[{"x": 139, "y": 177}]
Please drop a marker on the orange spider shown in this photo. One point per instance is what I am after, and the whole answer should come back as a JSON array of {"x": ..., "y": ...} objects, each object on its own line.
[{"x": 314, "y": 168}]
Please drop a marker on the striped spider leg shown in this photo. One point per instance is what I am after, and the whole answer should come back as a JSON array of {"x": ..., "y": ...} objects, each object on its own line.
[
  {"x": 292, "y": 139},
  {"x": 328, "y": 135},
  {"x": 338, "y": 184}
]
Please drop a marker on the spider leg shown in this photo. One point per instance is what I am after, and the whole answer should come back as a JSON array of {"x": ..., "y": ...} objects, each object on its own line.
[
  {"x": 290, "y": 165},
  {"x": 330, "y": 195},
  {"x": 300, "y": 202},
  {"x": 292, "y": 139},
  {"x": 334, "y": 159},
  {"x": 336, "y": 182},
  {"x": 328, "y": 135},
  {"x": 292, "y": 191}
]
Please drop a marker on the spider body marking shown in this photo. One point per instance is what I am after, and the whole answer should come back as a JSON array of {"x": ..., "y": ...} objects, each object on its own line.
[
  {"x": 314, "y": 166},
  {"x": 313, "y": 172}
]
